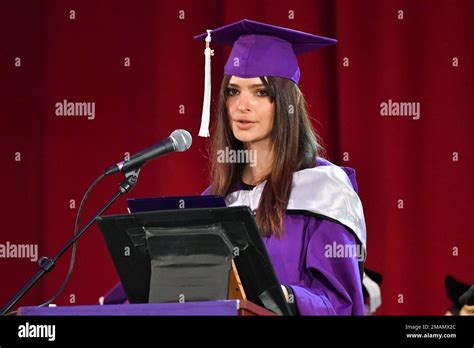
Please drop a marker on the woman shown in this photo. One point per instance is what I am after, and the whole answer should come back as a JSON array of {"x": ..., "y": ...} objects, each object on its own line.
[{"x": 307, "y": 208}]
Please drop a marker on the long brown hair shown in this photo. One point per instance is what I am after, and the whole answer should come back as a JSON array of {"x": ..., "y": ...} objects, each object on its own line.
[{"x": 295, "y": 145}]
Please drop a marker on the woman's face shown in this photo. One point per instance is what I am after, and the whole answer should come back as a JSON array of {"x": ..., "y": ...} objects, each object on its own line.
[{"x": 250, "y": 109}]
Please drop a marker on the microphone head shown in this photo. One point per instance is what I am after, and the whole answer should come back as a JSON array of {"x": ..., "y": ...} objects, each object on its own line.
[{"x": 182, "y": 139}]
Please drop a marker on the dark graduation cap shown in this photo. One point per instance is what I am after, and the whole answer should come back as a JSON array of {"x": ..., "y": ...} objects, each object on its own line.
[
  {"x": 459, "y": 293},
  {"x": 468, "y": 297},
  {"x": 258, "y": 49}
]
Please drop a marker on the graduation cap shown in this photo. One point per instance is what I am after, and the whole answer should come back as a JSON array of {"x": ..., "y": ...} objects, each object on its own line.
[
  {"x": 459, "y": 293},
  {"x": 258, "y": 49},
  {"x": 467, "y": 299}
]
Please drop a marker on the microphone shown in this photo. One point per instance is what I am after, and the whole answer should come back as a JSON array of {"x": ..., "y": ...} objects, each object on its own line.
[{"x": 180, "y": 140}]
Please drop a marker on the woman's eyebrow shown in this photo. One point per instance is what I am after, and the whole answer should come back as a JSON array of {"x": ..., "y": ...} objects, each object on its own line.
[{"x": 251, "y": 86}]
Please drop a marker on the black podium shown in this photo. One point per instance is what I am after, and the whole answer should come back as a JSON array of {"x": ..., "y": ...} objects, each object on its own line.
[{"x": 187, "y": 255}]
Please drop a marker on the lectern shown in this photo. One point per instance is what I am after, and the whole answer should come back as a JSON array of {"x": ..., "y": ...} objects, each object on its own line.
[{"x": 193, "y": 255}]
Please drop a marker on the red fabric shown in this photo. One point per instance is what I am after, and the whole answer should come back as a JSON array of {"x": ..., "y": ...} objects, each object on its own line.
[{"x": 403, "y": 60}]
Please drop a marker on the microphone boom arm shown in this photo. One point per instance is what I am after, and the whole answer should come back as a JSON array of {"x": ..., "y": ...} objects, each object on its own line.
[{"x": 46, "y": 264}]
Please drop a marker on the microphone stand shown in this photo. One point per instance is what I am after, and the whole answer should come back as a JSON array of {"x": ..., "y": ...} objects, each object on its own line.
[{"x": 46, "y": 264}]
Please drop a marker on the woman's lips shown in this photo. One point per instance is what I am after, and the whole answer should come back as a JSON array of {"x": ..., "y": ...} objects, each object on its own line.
[{"x": 244, "y": 124}]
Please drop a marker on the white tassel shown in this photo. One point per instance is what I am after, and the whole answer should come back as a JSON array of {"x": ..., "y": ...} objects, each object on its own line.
[
  {"x": 375, "y": 294},
  {"x": 206, "y": 106}
]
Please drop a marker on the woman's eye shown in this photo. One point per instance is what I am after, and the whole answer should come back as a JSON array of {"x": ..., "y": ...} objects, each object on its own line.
[
  {"x": 262, "y": 93},
  {"x": 232, "y": 91}
]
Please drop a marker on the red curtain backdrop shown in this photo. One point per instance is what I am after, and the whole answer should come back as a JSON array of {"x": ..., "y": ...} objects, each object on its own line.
[{"x": 414, "y": 175}]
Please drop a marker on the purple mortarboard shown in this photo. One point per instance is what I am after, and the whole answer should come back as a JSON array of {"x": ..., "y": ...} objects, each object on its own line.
[{"x": 258, "y": 49}]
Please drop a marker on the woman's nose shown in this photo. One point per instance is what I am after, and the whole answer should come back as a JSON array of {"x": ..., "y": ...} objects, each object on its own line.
[{"x": 243, "y": 102}]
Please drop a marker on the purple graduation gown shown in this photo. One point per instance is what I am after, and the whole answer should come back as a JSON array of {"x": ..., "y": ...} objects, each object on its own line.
[{"x": 321, "y": 285}]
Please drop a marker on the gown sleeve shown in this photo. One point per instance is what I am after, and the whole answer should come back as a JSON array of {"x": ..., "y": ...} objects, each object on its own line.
[
  {"x": 115, "y": 295},
  {"x": 331, "y": 283},
  {"x": 206, "y": 191}
]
